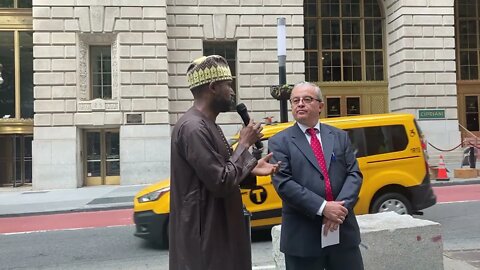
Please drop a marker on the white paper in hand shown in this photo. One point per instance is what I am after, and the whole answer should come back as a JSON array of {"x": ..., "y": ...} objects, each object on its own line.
[{"x": 331, "y": 239}]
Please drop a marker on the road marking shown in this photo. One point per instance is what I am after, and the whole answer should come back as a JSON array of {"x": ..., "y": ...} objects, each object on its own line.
[
  {"x": 262, "y": 267},
  {"x": 458, "y": 202}
]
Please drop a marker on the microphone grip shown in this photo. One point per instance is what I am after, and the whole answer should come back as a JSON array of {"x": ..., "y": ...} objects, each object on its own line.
[{"x": 242, "y": 111}]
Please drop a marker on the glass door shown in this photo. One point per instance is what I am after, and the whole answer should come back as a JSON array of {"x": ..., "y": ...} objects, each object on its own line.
[
  {"x": 102, "y": 163},
  {"x": 15, "y": 160},
  {"x": 112, "y": 158}
]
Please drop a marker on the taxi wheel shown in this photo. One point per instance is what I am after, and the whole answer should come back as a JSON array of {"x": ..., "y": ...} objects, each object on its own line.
[
  {"x": 395, "y": 202},
  {"x": 162, "y": 242}
]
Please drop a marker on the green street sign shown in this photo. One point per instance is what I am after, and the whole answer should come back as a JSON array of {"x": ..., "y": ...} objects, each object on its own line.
[{"x": 431, "y": 114}]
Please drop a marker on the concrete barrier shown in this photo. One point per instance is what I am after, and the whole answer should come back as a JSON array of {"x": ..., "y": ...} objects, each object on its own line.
[{"x": 390, "y": 241}]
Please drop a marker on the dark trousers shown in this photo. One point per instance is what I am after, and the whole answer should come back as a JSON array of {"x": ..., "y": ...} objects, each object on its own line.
[{"x": 331, "y": 259}]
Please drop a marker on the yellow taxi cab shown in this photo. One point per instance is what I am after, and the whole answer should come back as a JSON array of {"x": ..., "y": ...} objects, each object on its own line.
[{"x": 391, "y": 152}]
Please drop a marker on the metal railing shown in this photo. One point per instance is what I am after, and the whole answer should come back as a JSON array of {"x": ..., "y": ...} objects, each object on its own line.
[
  {"x": 465, "y": 141},
  {"x": 468, "y": 140}
]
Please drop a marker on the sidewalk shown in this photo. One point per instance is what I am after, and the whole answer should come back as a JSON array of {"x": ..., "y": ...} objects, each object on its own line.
[
  {"x": 26, "y": 201},
  {"x": 23, "y": 201}
]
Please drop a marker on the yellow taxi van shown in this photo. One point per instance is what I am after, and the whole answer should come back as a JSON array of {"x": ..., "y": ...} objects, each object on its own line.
[{"x": 391, "y": 152}]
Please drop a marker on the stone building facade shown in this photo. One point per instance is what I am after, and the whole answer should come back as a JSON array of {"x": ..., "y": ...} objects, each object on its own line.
[
  {"x": 109, "y": 75},
  {"x": 152, "y": 43}
]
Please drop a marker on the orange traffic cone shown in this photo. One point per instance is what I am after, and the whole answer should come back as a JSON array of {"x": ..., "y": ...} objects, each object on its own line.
[{"x": 442, "y": 171}]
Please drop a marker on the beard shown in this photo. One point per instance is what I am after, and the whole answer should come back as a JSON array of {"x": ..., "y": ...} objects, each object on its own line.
[{"x": 224, "y": 105}]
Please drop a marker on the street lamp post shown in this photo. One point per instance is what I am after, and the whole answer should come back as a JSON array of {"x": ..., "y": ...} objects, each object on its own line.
[{"x": 282, "y": 58}]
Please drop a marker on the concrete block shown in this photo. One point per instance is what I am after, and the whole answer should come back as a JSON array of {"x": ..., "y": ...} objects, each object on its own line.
[
  {"x": 41, "y": 12},
  {"x": 42, "y": 119},
  {"x": 83, "y": 15},
  {"x": 63, "y": 91},
  {"x": 142, "y": 51},
  {"x": 63, "y": 119},
  {"x": 41, "y": 38},
  {"x": 48, "y": 51},
  {"x": 72, "y": 25},
  {"x": 153, "y": 38},
  {"x": 388, "y": 239},
  {"x": 113, "y": 118},
  {"x": 48, "y": 25},
  {"x": 154, "y": 12},
  {"x": 156, "y": 90},
  {"x": 42, "y": 92},
  {"x": 64, "y": 65},
  {"x": 48, "y": 78},
  {"x": 131, "y": 12},
  {"x": 465, "y": 173},
  {"x": 156, "y": 64},
  {"x": 142, "y": 25},
  {"x": 130, "y": 38},
  {"x": 156, "y": 117},
  {"x": 111, "y": 13},
  {"x": 64, "y": 38},
  {"x": 41, "y": 64},
  {"x": 144, "y": 104},
  {"x": 62, "y": 12},
  {"x": 143, "y": 77}
]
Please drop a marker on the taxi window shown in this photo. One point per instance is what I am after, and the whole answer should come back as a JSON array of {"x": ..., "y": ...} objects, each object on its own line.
[{"x": 370, "y": 141}]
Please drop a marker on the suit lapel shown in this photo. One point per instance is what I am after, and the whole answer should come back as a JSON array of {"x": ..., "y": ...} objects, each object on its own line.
[
  {"x": 299, "y": 139},
  {"x": 328, "y": 140}
]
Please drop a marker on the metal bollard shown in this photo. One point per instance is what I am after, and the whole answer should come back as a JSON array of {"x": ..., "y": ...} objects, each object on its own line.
[{"x": 472, "y": 159}]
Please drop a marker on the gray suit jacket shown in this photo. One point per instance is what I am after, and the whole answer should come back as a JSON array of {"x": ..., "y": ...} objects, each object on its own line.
[{"x": 300, "y": 184}]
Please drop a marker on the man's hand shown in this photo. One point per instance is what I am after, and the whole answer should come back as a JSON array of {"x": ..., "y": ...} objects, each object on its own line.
[
  {"x": 335, "y": 211},
  {"x": 250, "y": 134},
  {"x": 329, "y": 226},
  {"x": 264, "y": 168}
]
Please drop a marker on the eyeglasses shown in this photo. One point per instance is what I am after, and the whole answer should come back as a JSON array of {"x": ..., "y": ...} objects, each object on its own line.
[{"x": 306, "y": 100}]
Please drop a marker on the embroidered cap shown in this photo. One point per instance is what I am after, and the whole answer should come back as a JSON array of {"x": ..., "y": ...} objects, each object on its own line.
[{"x": 207, "y": 69}]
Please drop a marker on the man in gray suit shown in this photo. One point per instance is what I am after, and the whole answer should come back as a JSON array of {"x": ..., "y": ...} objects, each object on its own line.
[{"x": 318, "y": 181}]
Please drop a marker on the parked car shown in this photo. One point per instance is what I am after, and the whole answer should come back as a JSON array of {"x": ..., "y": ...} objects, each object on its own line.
[{"x": 391, "y": 152}]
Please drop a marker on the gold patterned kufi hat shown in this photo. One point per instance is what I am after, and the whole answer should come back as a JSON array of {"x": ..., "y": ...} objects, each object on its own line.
[{"x": 207, "y": 69}]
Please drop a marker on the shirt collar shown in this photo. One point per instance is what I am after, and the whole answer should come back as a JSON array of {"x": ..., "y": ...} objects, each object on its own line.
[{"x": 304, "y": 128}]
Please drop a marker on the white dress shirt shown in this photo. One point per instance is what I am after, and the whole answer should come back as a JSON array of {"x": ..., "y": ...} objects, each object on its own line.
[{"x": 317, "y": 129}]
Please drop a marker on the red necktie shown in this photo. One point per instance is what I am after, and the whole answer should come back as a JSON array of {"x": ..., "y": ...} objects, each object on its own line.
[{"x": 317, "y": 150}]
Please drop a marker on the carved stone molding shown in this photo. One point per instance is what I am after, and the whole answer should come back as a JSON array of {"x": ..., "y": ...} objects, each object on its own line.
[
  {"x": 84, "y": 43},
  {"x": 98, "y": 105}
]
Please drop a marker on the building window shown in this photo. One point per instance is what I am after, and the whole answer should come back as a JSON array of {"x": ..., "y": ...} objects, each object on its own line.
[
  {"x": 467, "y": 27},
  {"x": 16, "y": 67},
  {"x": 227, "y": 49},
  {"x": 343, "y": 40},
  {"x": 337, "y": 106},
  {"x": 101, "y": 72},
  {"x": 16, "y": 4},
  {"x": 471, "y": 112}
]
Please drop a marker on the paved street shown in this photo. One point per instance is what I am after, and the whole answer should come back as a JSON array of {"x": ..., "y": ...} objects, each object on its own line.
[{"x": 104, "y": 239}]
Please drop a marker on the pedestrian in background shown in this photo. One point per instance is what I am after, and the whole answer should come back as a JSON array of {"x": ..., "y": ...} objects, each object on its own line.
[
  {"x": 318, "y": 181},
  {"x": 207, "y": 225}
]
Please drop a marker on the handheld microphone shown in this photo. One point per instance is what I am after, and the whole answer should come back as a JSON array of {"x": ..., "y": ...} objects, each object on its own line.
[{"x": 242, "y": 111}]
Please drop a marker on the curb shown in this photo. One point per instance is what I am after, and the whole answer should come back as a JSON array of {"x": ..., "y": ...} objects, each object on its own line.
[{"x": 435, "y": 183}]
